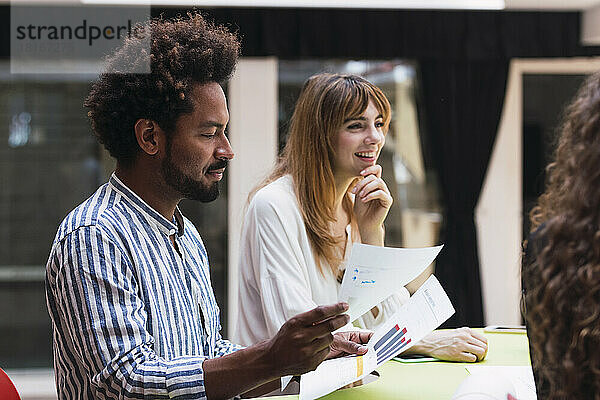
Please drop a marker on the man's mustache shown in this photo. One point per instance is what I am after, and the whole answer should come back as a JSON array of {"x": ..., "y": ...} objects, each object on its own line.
[{"x": 218, "y": 165}]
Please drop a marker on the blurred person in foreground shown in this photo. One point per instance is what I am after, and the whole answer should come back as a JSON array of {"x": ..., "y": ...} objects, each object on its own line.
[
  {"x": 325, "y": 194},
  {"x": 561, "y": 264},
  {"x": 128, "y": 285}
]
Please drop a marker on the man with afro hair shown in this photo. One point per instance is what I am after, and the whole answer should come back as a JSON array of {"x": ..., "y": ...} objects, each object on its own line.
[{"x": 128, "y": 285}]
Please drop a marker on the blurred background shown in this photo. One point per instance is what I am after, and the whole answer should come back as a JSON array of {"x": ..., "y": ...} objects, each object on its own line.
[{"x": 477, "y": 89}]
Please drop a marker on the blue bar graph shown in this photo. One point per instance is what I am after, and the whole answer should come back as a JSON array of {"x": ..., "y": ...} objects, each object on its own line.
[
  {"x": 393, "y": 339},
  {"x": 387, "y": 335},
  {"x": 384, "y": 356}
]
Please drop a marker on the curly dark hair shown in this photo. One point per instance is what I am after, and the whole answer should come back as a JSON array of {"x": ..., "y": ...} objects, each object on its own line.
[
  {"x": 563, "y": 281},
  {"x": 183, "y": 51}
]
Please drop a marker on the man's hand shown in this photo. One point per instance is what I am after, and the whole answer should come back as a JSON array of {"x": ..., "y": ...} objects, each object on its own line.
[
  {"x": 345, "y": 343},
  {"x": 462, "y": 344},
  {"x": 299, "y": 346},
  {"x": 302, "y": 343}
]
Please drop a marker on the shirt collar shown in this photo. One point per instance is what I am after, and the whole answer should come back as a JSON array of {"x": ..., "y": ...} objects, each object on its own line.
[{"x": 154, "y": 217}]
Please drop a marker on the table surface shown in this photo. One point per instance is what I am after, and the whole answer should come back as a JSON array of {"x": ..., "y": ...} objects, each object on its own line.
[{"x": 433, "y": 380}]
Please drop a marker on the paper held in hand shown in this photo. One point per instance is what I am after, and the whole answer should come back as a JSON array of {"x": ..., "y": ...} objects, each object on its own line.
[
  {"x": 373, "y": 273},
  {"x": 427, "y": 309}
]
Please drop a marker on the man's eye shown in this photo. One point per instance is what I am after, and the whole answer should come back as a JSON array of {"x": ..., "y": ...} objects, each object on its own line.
[{"x": 208, "y": 135}]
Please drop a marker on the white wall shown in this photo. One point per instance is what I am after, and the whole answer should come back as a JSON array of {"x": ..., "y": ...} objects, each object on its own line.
[
  {"x": 253, "y": 134},
  {"x": 498, "y": 214}
]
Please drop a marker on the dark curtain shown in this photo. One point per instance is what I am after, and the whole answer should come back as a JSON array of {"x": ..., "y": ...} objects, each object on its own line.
[{"x": 462, "y": 102}]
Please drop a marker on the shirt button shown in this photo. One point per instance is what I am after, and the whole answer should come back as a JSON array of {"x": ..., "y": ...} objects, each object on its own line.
[{"x": 172, "y": 232}]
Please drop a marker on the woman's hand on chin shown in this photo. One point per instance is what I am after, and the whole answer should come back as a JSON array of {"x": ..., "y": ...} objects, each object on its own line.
[{"x": 371, "y": 205}]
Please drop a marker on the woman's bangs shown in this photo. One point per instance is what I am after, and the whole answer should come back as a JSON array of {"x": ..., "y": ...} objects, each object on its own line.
[{"x": 357, "y": 103}]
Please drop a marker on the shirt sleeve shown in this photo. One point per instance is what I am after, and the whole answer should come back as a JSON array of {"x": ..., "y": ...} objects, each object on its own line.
[
  {"x": 277, "y": 260},
  {"x": 94, "y": 303},
  {"x": 224, "y": 347}
]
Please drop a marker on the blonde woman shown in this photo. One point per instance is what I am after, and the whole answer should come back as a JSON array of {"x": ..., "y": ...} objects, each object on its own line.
[{"x": 324, "y": 194}]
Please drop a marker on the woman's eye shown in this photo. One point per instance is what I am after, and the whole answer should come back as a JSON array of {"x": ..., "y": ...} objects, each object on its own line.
[
  {"x": 354, "y": 126},
  {"x": 379, "y": 124}
]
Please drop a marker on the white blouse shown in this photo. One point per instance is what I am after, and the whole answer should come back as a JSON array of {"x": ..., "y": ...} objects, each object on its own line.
[{"x": 279, "y": 276}]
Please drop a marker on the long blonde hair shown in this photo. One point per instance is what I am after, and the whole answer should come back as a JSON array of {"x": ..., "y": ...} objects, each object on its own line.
[{"x": 325, "y": 102}]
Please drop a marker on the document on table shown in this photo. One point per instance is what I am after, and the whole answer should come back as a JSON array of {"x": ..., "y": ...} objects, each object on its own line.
[
  {"x": 427, "y": 309},
  {"x": 520, "y": 376},
  {"x": 374, "y": 273}
]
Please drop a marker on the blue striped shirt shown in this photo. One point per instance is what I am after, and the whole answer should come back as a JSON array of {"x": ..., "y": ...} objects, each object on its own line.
[{"x": 132, "y": 316}]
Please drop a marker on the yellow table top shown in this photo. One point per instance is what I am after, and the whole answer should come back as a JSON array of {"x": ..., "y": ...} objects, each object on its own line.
[{"x": 433, "y": 380}]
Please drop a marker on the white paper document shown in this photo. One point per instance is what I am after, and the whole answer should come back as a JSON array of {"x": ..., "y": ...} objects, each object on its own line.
[
  {"x": 427, "y": 309},
  {"x": 374, "y": 273},
  {"x": 520, "y": 376}
]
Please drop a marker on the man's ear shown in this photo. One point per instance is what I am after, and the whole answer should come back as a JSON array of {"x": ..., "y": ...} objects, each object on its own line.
[{"x": 149, "y": 136}]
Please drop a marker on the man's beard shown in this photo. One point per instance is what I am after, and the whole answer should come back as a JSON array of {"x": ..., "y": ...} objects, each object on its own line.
[{"x": 186, "y": 185}]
